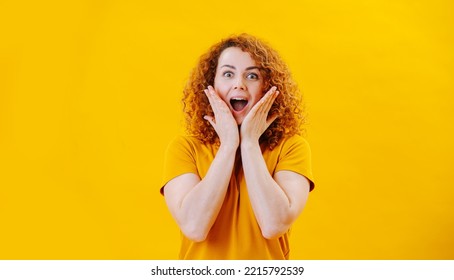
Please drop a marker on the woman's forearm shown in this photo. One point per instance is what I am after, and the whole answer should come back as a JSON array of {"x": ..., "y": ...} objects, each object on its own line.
[
  {"x": 272, "y": 207},
  {"x": 199, "y": 208}
]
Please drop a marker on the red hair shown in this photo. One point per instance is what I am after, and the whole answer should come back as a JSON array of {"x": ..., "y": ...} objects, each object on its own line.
[{"x": 288, "y": 104}]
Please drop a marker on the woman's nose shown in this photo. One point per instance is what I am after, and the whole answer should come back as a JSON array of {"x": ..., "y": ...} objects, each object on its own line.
[{"x": 239, "y": 84}]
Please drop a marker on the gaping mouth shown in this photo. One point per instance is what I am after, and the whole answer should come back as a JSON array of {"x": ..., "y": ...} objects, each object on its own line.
[{"x": 238, "y": 104}]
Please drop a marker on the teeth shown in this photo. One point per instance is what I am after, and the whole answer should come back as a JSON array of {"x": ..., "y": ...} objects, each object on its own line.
[{"x": 238, "y": 98}]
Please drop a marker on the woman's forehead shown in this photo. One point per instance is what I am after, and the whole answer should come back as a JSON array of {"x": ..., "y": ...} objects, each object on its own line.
[{"x": 236, "y": 57}]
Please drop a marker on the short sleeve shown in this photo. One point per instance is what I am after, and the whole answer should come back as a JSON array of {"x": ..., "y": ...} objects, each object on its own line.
[
  {"x": 296, "y": 156},
  {"x": 179, "y": 159}
]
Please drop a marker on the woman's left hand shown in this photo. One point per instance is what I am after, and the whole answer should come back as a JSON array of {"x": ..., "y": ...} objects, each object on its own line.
[{"x": 257, "y": 121}]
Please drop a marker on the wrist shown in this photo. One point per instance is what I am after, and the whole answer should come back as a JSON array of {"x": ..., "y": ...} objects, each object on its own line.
[
  {"x": 229, "y": 147},
  {"x": 247, "y": 143}
]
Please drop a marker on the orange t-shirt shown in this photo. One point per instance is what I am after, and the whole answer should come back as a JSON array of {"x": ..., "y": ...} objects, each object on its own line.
[{"x": 235, "y": 234}]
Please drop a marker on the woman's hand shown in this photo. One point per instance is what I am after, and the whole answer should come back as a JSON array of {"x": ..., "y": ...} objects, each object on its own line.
[
  {"x": 257, "y": 121},
  {"x": 223, "y": 121}
]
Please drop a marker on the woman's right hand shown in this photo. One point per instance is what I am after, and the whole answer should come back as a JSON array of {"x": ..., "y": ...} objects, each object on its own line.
[{"x": 223, "y": 121}]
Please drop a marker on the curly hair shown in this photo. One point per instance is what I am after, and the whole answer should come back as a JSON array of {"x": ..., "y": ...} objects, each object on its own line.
[{"x": 288, "y": 104}]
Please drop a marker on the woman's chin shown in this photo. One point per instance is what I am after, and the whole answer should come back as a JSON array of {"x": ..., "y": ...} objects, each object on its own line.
[
  {"x": 239, "y": 116},
  {"x": 239, "y": 120}
]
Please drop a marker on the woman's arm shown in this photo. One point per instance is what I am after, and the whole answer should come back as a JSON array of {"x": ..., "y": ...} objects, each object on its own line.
[
  {"x": 277, "y": 201},
  {"x": 195, "y": 203}
]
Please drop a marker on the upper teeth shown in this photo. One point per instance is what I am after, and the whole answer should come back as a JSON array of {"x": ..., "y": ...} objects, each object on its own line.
[{"x": 238, "y": 98}]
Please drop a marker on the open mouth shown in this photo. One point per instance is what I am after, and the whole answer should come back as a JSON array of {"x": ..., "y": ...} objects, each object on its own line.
[{"x": 238, "y": 104}]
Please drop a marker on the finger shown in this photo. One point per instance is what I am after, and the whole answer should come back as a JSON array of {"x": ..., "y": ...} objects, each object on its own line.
[
  {"x": 268, "y": 100},
  {"x": 211, "y": 120},
  {"x": 211, "y": 98},
  {"x": 258, "y": 107},
  {"x": 214, "y": 96},
  {"x": 208, "y": 95},
  {"x": 271, "y": 100},
  {"x": 221, "y": 105},
  {"x": 271, "y": 119}
]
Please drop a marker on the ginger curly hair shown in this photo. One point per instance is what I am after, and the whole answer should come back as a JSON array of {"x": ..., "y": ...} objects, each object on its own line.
[{"x": 288, "y": 104}]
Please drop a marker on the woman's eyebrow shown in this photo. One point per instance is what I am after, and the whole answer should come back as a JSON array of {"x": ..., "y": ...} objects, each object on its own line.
[
  {"x": 229, "y": 66},
  {"x": 233, "y": 67}
]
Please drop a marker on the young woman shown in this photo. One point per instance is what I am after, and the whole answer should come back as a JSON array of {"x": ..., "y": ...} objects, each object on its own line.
[{"x": 242, "y": 175}]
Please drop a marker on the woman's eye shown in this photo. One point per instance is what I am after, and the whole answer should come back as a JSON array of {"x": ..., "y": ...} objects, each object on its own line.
[
  {"x": 252, "y": 76},
  {"x": 228, "y": 74}
]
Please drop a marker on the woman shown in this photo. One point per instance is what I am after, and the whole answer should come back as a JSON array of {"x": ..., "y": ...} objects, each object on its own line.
[{"x": 242, "y": 176}]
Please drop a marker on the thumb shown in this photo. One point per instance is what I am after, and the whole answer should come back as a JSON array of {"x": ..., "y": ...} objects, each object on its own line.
[
  {"x": 210, "y": 119},
  {"x": 271, "y": 119}
]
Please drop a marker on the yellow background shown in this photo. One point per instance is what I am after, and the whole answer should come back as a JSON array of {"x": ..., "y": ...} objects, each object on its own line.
[{"x": 90, "y": 96}]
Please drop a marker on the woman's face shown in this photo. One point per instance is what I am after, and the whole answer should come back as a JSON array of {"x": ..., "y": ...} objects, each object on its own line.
[{"x": 238, "y": 82}]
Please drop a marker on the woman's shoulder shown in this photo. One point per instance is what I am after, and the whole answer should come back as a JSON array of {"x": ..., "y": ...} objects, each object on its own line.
[
  {"x": 189, "y": 142},
  {"x": 181, "y": 138},
  {"x": 293, "y": 140}
]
